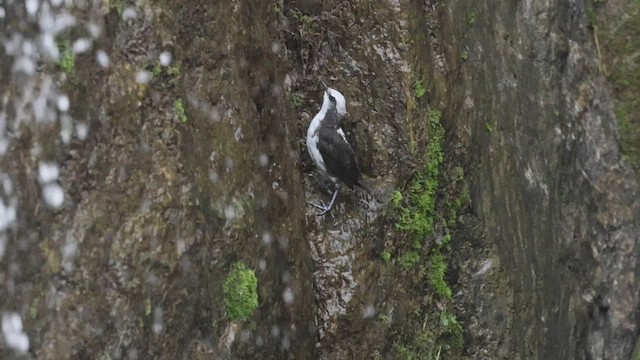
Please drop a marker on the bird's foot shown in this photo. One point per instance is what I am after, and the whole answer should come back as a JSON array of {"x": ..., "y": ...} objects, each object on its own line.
[{"x": 322, "y": 207}]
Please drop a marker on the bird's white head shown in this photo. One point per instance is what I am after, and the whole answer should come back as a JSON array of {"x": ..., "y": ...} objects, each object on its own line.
[{"x": 333, "y": 99}]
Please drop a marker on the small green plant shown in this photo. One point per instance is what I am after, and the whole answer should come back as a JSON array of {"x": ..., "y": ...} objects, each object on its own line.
[
  {"x": 173, "y": 71},
  {"x": 402, "y": 352},
  {"x": 278, "y": 8},
  {"x": 179, "y": 108},
  {"x": 396, "y": 199},
  {"x": 449, "y": 321},
  {"x": 420, "y": 89},
  {"x": 457, "y": 173},
  {"x": 437, "y": 272},
  {"x": 488, "y": 127},
  {"x": 451, "y": 325},
  {"x": 147, "y": 308},
  {"x": 385, "y": 319},
  {"x": 297, "y": 100},
  {"x": 417, "y": 217},
  {"x": 117, "y": 5},
  {"x": 33, "y": 309},
  {"x": 304, "y": 20},
  {"x": 465, "y": 55},
  {"x": 409, "y": 259},
  {"x": 446, "y": 239},
  {"x": 157, "y": 69},
  {"x": 471, "y": 17},
  {"x": 67, "y": 58},
  {"x": 240, "y": 292},
  {"x": 386, "y": 255},
  {"x": 629, "y": 136},
  {"x": 103, "y": 356}
]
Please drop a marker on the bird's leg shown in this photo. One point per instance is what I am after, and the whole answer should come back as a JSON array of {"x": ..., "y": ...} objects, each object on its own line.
[
  {"x": 324, "y": 183},
  {"x": 323, "y": 207}
]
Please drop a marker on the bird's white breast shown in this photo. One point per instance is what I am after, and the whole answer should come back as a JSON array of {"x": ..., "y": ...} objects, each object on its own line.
[{"x": 312, "y": 142}]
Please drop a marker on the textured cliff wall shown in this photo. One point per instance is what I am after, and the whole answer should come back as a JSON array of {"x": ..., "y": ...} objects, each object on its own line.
[
  {"x": 139, "y": 171},
  {"x": 526, "y": 93}
]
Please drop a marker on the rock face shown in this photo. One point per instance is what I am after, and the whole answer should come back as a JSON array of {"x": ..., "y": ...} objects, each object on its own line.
[
  {"x": 172, "y": 173},
  {"x": 551, "y": 186}
]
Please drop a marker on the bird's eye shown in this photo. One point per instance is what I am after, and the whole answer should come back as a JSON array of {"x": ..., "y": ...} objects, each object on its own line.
[{"x": 332, "y": 98}]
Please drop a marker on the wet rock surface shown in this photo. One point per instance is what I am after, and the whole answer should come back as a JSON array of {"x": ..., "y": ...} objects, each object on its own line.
[{"x": 159, "y": 202}]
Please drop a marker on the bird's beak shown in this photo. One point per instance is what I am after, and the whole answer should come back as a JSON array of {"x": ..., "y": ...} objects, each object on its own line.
[{"x": 325, "y": 86}]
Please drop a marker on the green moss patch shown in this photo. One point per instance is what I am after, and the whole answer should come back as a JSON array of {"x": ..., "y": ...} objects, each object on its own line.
[
  {"x": 240, "y": 292},
  {"x": 427, "y": 211},
  {"x": 67, "y": 58},
  {"x": 180, "y": 112},
  {"x": 418, "y": 211}
]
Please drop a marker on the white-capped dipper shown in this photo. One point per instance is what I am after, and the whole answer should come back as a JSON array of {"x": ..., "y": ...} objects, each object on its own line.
[{"x": 329, "y": 148}]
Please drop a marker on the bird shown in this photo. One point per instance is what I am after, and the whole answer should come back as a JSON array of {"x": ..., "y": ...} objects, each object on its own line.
[{"x": 329, "y": 148}]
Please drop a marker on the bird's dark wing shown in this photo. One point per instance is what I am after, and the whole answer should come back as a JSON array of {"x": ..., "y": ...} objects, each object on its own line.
[{"x": 339, "y": 158}]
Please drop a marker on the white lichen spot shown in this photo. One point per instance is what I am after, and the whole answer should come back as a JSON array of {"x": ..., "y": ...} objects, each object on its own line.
[
  {"x": 24, "y": 65},
  {"x": 69, "y": 251},
  {"x": 82, "y": 130},
  {"x": 7, "y": 185},
  {"x": 238, "y": 134},
  {"x": 165, "y": 58},
  {"x": 181, "y": 246},
  {"x": 39, "y": 105},
  {"x": 129, "y": 13},
  {"x": 102, "y": 58},
  {"x": 230, "y": 212},
  {"x": 245, "y": 335},
  {"x": 158, "y": 320},
  {"x": 267, "y": 238},
  {"x": 286, "y": 342},
  {"x": 229, "y": 336},
  {"x": 62, "y": 22},
  {"x": 2, "y": 13},
  {"x": 468, "y": 101},
  {"x": 485, "y": 267},
  {"x": 3, "y": 245},
  {"x": 535, "y": 180},
  {"x": 262, "y": 264},
  {"x": 63, "y": 103},
  {"x": 81, "y": 46},
  {"x": 53, "y": 195},
  {"x": 49, "y": 45},
  {"x": 14, "y": 337},
  {"x": 143, "y": 77},
  {"x": 7, "y": 215},
  {"x": 259, "y": 341},
  {"x": 48, "y": 172},
  {"x": 275, "y": 331},
  {"x": 66, "y": 128},
  {"x": 94, "y": 29},
  {"x": 213, "y": 176},
  {"x": 528, "y": 174},
  {"x": 286, "y": 277},
  {"x": 369, "y": 311},
  {"x": 275, "y": 47},
  {"x": 228, "y": 164},
  {"x": 32, "y": 6},
  {"x": 263, "y": 159},
  {"x": 287, "y": 296}
]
